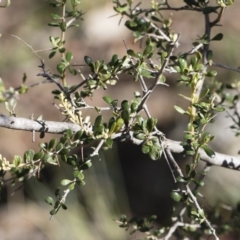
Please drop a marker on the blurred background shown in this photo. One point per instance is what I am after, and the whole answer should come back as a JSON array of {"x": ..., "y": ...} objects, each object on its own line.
[{"x": 124, "y": 180}]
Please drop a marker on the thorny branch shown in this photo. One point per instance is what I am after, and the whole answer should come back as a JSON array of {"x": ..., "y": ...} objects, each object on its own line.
[
  {"x": 179, "y": 222},
  {"x": 24, "y": 124},
  {"x": 190, "y": 193}
]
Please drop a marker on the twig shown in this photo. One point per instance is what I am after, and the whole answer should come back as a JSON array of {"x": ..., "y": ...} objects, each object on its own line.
[
  {"x": 205, "y": 171},
  {"x": 142, "y": 82},
  {"x": 28, "y": 46},
  {"x": 208, "y": 27},
  {"x": 205, "y": 52},
  {"x": 164, "y": 36},
  {"x": 46, "y": 75},
  {"x": 185, "y": 8},
  {"x": 62, "y": 201},
  {"x": 95, "y": 152},
  {"x": 168, "y": 162},
  {"x": 151, "y": 89},
  {"x": 225, "y": 67},
  {"x": 179, "y": 224},
  {"x": 213, "y": 23},
  {"x": 193, "y": 50}
]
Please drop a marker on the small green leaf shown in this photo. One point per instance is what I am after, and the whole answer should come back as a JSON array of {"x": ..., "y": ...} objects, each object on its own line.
[
  {"x": 198, "y": 183},
  {"x": 218, "y": 37},
  {"x": 52, "y": 143},
  {"x": 219, "y": 109},
  {"x": 107, "y": 99},
  {"x": 131, "y": 53},
  {"x": 181, "y": 179},
  {"x": 180, "y": 110},
  {"x": 78, "y": 174},
  {"x": 194, "y": 61},
  {"x": 28, "y": 156},
  {"x": 59, "y": 147},
  {"x": 69, "y": 133},
  {"x": 187, "y": 169},
  {"x": 182, "y": 64},
  {"x": 47, "y": 158},
  {"x": 54, "y": 24},
  {"x": 17, "y": 161},
  {"x": 62, "y": 50},
  {"x": 80, "y": 183},
  {"x": 74, "y": 25},
  {"x": 140, "y": 136},
  {"x": 56, "y": 16},
  {"x": 210, "y": 55},
  {"x": 147, "y": 50},
  {"x": 114, "y": 103},
  {"x": 134, "y": 107},
  {"x": 161, "y": 79},
  {"x": 155, "y": 19},
  {"x": 98, "y": 121},
  {"x": 38, "y": 155},
  {"x": 73, "y": 71},
  {"x": 23, "y": 89},
  {"x": 125, "y": 116},
  {"x": 63, "y": 26},
  {"x": 145, "y": 149},
  {"x": 57, "y": 192},
  {"x": 63, "y": 139},
  {"x": 49, "y": 200},
  {"x": 69, "y": 56},
  {"x": 176, "y": 196},
  {"x": 53, "y": 212},
  {"x": 64, "y": 151},
  {"x": 125, "y": 105},
  {"x": 78, "y": 135},
  {"x": 55, "y": 41},
  {"x": 88, "y": 60},
  {"x": 65, "y": 182},
  {"x": 111, "y": 125},
  {"x": 70, "y": 187},
  {"x": 114, "y": 60},
  {"x": 109, "y": 142},
  {"x": 211, "y": 73},
  {"x": 6, "y": 103},
  {"x": 194, "y": 213},
  {"x": 98, "y": 130},
  {"x": 154, "y": 153},
  {"x": 208, "y": 151},
  {"x": 119, "y": 124},
  {"x": 61, "y": 67},
  {"x": 151, "y": 123},
  {"x": 56, "y": 92},
  {"x": 24, "y": 78},
  {"x": 86, "y": 165}
]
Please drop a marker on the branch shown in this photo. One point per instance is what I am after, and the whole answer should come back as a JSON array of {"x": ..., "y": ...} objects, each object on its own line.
[
  {"x": 190, "y": 194},
  {"x": 225, "y": 67},
  {"x": 24, "y": 124},
  {"x": 222, "y": 160}
]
